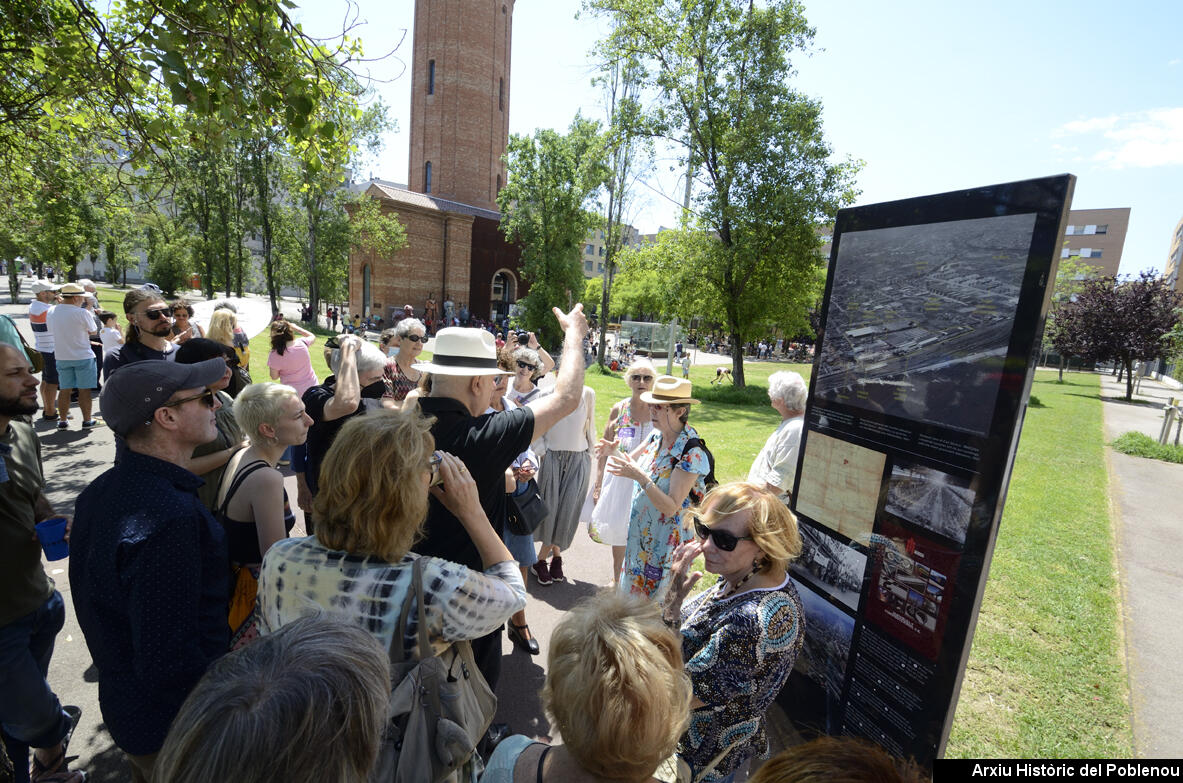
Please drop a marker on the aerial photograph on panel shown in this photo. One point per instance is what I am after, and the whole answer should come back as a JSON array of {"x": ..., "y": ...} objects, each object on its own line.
[
  {"x": 930, "y": 498},
  {"x": 920, "y": 318},
  {"x": 827, "y": 560}
]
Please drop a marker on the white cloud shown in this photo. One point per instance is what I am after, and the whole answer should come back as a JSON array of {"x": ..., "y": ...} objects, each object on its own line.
[
  {"x": 1145, "y": 139},
  {"x": 1175, "y": 61}
]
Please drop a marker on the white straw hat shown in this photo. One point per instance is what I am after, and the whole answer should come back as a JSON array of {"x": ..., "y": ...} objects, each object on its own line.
[{"x": 463, "y": 351}]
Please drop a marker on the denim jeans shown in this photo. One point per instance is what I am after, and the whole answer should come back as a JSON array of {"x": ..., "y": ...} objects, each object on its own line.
[{"x": 30, "y": 714}]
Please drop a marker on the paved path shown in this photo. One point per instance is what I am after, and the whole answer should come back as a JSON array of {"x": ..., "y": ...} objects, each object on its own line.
[{"x": 1147, "y": 500}]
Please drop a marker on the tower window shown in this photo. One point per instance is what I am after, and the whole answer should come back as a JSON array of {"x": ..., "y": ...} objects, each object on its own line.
[
  {"x": 498, "y": 183},
  {"x": 431, "y": 77},
  {"x": 501, "y": 94},
  {"x": 427, "y": 177}
]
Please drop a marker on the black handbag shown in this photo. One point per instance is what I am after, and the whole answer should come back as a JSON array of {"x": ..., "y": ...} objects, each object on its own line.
[{"x": 525, "y": 511}]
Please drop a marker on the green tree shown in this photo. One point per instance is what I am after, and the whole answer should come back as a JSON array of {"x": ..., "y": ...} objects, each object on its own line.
[
  {"x": 373, "y": 232},
  {"x": 627, "y": 150},
  {"x": 1120, "y": 320},
  {"x": 1071, "y": 275},
  {"x": 718, "y": 75},
  {"x": 547, "y": 208},
  {"x": 71, "y": 65}
]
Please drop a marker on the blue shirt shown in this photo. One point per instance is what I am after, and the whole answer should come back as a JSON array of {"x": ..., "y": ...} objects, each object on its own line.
[{"x": 149, "y": 574}]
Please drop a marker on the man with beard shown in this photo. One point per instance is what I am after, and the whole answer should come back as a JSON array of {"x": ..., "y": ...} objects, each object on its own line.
[
  {"x": 355, "y": 386},
  {"x": 31, "y": 609},
  {"x": 148, "y": 570},
  {"x": 149, "y": 331}
]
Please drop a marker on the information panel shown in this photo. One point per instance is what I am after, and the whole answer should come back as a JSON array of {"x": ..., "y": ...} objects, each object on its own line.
[{"x": 932, "y": 318}]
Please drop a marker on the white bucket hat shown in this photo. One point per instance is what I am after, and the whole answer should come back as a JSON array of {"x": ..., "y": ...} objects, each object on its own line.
[{"x": 463, "y": 351}]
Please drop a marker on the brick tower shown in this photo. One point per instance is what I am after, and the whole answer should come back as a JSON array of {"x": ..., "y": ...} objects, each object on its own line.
[{"x": 460, "y": 99}]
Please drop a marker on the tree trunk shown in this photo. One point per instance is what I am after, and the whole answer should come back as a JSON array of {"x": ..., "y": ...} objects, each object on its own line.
[
  {"x": 1128, "y": 364},
  {"x": 262, "y": 174},
  {"x": 14, "y": 281},
  {"x": 313, "y": 283},
  {"x": 1063, "y": 362},
  {"x": 604, "y": 291},
  {"x": 736, "y": 359}
]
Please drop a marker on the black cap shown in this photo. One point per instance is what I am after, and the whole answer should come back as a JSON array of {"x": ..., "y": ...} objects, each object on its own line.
[{"x": 133, "y": 392}]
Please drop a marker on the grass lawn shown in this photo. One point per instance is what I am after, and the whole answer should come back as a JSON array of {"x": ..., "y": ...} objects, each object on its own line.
[{"x": 1046, "y": 675}]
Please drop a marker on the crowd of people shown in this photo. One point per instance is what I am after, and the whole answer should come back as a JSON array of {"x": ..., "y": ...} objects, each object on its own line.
[{"x": 226, "y": 649}]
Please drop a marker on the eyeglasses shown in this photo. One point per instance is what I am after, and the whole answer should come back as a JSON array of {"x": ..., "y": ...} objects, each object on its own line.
[
  {"x": 156, "y": 314},
  {"x": 433, "y": 464},
  {"x": 642, "y": 378},
  {"x": 415, "y": 338},
  {"x": 723, "y": 540},
  {"x": 207, "y": 396},
  {"x": 527, "y": 366}
]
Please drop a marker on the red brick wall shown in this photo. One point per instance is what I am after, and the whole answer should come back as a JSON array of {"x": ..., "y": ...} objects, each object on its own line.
[
  {"x": 491, "y": 253},
  {"x": 462, "y": 127},
  {"x": 418, "y": 270}
]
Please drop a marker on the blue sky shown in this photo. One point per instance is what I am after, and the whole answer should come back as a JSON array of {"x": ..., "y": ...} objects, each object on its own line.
[{"x": 932, "y": 96}]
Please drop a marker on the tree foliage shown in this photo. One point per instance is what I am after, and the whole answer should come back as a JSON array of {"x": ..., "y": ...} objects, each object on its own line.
[
  {"x": 1071, "y": 274},
  {"x": 1120, "y": 320},
  {"x": 547, "y": 208},
  {"x": 718, "y": 72}
]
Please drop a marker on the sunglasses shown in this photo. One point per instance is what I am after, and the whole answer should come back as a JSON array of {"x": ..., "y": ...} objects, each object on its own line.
[
  {"x": 415, "y": 338},
  {"x": 723, "y": 540},
  {"x": 643, "y": 378},
  {"x": 207, "y": 396},
  {"x": 434, "y": 465},
  {"x": 527, "y": 366},
  {"x": 157, "y": 314}
]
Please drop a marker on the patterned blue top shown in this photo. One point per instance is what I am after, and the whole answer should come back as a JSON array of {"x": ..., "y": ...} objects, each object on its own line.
[{"x": 738, "y": 652}]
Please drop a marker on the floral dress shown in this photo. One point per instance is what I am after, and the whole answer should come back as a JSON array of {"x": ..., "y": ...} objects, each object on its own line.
[
  {"x": 652, "y": 536},
  {"x": 738, "y": 652}
]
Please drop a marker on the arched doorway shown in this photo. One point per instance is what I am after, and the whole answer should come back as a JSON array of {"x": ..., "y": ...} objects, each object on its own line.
[
  {"x": 503, "y": 294},
  {"x": 366, "y": 297}
]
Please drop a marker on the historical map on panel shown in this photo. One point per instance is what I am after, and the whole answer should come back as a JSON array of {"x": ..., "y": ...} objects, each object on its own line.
[
  {"x": 920, "y": 318},
  {"x": 840, "y": 485}
]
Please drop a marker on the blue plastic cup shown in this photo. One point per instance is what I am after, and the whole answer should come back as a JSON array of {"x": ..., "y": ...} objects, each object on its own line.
[{"x": 52, "y": 535}]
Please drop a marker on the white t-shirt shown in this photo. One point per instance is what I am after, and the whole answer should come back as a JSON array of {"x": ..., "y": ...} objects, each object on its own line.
[
  {"x": 71, "y": 327},
  {"x": 777, "y": 462},
  {"x": 110, "y": 337}
]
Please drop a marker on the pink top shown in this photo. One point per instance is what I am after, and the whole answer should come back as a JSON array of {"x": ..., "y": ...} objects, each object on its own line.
[{"x": 295, "y": 366}]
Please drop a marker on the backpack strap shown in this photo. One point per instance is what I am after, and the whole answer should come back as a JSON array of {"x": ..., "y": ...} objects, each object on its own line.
[{"x": 240, "y": 476}]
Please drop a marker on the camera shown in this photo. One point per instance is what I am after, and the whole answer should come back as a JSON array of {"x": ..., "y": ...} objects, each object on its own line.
[{"x": 523, "y": 337}]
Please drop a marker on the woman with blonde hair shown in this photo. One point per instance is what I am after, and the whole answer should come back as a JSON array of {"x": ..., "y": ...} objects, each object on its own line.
[
  {"x": 615, "y": 690},
  {"x": 223, "y": 328},
  {"x": 741, "y": 637},
  {"x": 252, "y": 504},
  {"x": 629, "y": 424},
  {"x": 359, "y": 564}
]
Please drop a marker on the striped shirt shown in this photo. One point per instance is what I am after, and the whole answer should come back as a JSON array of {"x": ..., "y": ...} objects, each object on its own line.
[{"x": 38, "y": 320}]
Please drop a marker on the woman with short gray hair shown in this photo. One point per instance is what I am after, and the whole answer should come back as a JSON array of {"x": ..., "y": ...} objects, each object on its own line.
[
  {"x": 775, "y": 467},
  {"x": 304, "y": 704},
  {"x": 402, "y": 346}
]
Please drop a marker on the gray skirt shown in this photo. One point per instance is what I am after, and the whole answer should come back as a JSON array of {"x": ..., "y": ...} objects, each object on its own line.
[{"x": 563, "y": 479}]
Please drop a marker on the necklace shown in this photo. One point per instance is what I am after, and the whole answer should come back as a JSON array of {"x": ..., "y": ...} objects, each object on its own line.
[{"x": 725, "y": 593}]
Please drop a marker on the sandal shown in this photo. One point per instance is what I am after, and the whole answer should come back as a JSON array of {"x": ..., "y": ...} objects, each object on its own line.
[{"x": 57, "y": 771}]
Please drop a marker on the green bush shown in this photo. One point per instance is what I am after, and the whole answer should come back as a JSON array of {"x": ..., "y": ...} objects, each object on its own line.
[{"x": 1139, "y": 444}]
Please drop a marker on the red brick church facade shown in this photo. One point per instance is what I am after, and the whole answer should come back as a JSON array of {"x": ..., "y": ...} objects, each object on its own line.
[{"x": 459, "y": 131}]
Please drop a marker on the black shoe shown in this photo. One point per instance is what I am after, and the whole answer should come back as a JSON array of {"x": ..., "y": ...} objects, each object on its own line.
[{"x": 517, "y": 635}]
